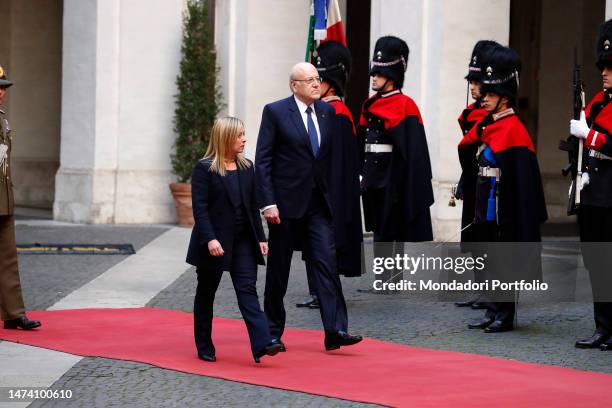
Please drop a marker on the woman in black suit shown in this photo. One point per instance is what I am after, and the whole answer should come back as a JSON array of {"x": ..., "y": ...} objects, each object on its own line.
[{"x": 227, "y": 236}]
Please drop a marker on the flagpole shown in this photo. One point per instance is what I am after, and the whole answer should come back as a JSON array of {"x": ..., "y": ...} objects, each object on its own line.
[{"x": 310, "y": 40}]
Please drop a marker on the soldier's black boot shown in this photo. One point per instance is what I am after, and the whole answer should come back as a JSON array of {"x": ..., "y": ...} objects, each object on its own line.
[
  {"x": 595, "y": 341},
  {"x": 21, "y": 322}
]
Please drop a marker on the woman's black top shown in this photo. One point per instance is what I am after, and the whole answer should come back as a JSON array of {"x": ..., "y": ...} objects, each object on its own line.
[{"x": 234, "y": 184}]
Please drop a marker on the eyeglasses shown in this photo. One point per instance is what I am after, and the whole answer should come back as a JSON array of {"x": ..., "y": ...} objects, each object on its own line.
[{"x": 310, "y": 81}]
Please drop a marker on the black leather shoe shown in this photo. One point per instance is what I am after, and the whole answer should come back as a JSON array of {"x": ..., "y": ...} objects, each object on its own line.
[
  {"x": 282, "y": 348},
  {"x": 478, "y": 306},
  {"x": 469, "y": 303},
  {"x": 211, "y": 358},
  {"x": 272, "y": 349},
  {"x": 21, "y": 323},
  {"x": 595, "y": 341},
  {"x": 606, "y": 346},
  {"x": 334, "y": 341},
  {"x": 499, "y": 326},
  {"x": 308, "y": 303},
  {"x": 480, "y": 324}
]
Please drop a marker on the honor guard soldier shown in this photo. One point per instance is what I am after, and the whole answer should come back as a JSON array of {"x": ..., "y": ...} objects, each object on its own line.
[
  {"x": 333, "y": 62},
  {"x": 469, "y": 117},
  {"x": 595, "y": 210},
  {"x": 396, "y": 183},
  {"x": 508, "y": 198},
  {"x": 11, "y": 300}
]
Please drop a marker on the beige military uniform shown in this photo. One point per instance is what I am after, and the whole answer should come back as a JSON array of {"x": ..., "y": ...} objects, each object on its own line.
[{"x": 11, "y": 300}]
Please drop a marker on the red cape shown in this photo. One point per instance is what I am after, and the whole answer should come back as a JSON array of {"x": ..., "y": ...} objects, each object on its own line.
[
  {"x": 501, "y": 135},
  {"x": 475, "y": 115},
  {"x": 342, "y": 109},
  {"x": 392, "y": 109},
  {"x": 604, "y": 118}
]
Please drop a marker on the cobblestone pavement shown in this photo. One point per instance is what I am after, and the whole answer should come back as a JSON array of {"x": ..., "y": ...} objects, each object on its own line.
[
  {"x": 109, "y": 383},
  {"x": 545, "y": 335},
  {"x": 48, "y": 278}
]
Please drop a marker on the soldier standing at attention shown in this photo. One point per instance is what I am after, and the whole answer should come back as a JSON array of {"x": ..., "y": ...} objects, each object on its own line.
[
  {"x": 469, "y": 117},
  {"x": 508, "y": 197},
  {"x": 595, "y": 211},
  {"x": 11, "y": 299},
  {"x": 396, "y": 183},
  {"x": 334, "y": 64}
]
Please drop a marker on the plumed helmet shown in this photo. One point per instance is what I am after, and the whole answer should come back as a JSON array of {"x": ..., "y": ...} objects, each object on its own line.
[
  {"x": 604, "y": 45},
  {"x": 478, "y": 55},
  {"x": 4, "y": 83},
  {"x": 500, "y": 75},
  {"x": 333, "y": 61},
  {"x": 390, "y": 59}
]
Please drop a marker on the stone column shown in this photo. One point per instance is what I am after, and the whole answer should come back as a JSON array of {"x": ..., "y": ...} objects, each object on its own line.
[
  {"x": 120, "y": 61},
  {"x": 441, "y": 35},
  {"x": 256, "y": 54}
]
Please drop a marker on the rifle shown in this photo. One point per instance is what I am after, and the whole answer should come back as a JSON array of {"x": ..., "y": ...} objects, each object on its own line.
[{"x": 573, "y": 145}]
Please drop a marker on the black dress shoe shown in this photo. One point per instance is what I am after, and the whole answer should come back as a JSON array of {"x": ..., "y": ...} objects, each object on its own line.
[
  {"x": 282, "y": 348},
  {"x": 272, "y": 349},
  {"x": 211, "y": 358},
  {"x": 21, "y": 323},
  {"x": 308, "y": 303},
  {"x": 481, "y": 324},
  {"x": 595, "y": 341},
  {"x": 334, "y": 341},
  {"x": 478, "y": 306},
  {"x": 464, "y": 304},
  {"x": 499, "y": 326}
]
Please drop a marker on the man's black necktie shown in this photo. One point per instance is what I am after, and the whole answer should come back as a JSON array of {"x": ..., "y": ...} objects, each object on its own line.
[{"x": 312, "y": 132}]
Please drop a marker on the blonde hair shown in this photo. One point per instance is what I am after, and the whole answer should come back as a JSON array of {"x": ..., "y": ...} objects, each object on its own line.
[{"x": 223, "y": 136}]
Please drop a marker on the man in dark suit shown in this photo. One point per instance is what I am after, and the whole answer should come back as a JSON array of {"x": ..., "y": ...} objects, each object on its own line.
[{"x": 292, "y": 163}]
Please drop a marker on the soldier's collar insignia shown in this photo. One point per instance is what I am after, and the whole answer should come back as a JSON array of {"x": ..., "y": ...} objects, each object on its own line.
[{"x": 607, "y": 45}]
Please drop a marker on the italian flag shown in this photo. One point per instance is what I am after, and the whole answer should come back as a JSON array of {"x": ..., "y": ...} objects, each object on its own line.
[{"x": 325, "y": 24}]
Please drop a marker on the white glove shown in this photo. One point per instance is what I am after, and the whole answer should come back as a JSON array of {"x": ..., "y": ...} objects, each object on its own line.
[
  {"x": 584, "y": 180},
  {"x": 579, "y": 128}
]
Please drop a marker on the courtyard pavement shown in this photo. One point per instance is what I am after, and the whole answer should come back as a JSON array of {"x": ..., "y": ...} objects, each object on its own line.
[{"x": 545, "y": 335}]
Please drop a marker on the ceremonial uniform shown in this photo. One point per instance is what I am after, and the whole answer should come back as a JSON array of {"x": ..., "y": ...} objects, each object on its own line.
[
  {"x": 469, "y": 117},
  {"x": 595, "y": 209},
  {"x": 345, "y": 192},
  {"x": 396, "y": 184},
  {"x": 333, "y": 62},
  {"x": 10, "y": 288},
  {"x": 12, "y": 309},
  {"x": 595, "y": 216},
  {"x": 508, "y": 201},
  {"x": 508, "y": 173}
]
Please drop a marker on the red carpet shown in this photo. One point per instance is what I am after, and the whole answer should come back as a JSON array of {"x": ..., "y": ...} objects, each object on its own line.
[{"x": 372, "y": 371}]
